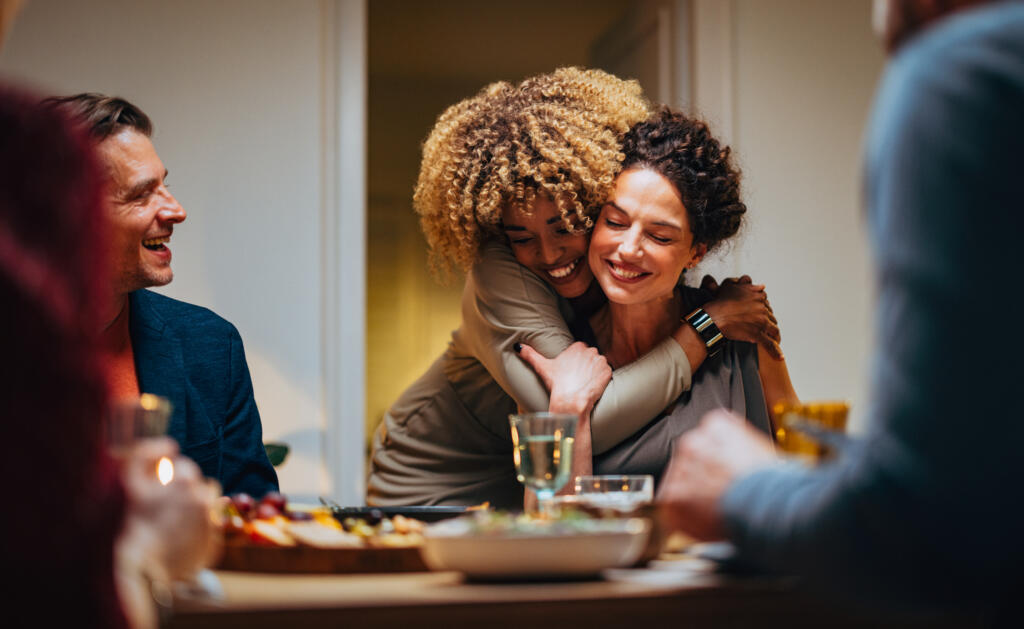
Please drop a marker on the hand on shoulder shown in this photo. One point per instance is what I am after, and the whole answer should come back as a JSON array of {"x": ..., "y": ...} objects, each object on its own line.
[{"x": 742, "y": 312}]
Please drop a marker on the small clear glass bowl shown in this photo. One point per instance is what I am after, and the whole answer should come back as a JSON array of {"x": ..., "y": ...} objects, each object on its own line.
[{"x": 621, "y": 493}]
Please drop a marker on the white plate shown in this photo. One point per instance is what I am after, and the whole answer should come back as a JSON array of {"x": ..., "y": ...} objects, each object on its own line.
[{"x": 616, "y": 543}]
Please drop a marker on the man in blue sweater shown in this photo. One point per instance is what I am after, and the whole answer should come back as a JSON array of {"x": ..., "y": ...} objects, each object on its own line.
[
  {"x": 156, "y": 344},
  {"x": 925, "y": 509}
]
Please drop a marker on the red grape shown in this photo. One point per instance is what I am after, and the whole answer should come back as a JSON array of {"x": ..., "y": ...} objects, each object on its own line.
[
  {"x": 276, "y": 500},
  {"x": 266, "y": 511},
  {"x": 244, "y": 503}
]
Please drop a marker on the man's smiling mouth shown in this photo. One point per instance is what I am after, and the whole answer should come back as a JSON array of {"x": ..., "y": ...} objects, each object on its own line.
[{"x": 156, "y": 244}]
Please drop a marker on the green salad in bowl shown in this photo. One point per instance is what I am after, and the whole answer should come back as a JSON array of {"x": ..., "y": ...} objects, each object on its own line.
[{"x": 497, "y": 545}]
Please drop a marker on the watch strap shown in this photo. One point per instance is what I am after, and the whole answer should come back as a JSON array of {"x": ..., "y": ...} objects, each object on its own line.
[{"x": 706, "y": 330}]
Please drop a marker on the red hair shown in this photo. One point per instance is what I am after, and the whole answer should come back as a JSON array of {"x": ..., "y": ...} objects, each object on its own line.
[{"x": 53, "y": 281}]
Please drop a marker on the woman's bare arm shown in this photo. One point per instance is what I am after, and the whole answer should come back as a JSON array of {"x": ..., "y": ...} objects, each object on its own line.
[{"x": 775, "y": 382}]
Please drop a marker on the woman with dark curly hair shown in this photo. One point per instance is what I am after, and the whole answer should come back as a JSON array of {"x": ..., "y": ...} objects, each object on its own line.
[
  {"x": 676, "y": 198},
  {"x": 510, "y": 183}
]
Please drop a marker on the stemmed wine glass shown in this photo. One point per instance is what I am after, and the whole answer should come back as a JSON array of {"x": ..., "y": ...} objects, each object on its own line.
[
  {"x": 132, "y": 419},
  {"x": 543, "y": 450}
]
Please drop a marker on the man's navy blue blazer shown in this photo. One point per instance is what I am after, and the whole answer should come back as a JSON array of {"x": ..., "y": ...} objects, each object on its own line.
[{"x": 195, "y": 358}]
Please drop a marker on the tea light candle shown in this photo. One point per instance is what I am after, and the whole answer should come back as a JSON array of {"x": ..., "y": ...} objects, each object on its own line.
[{"x": 165, "y": 470}]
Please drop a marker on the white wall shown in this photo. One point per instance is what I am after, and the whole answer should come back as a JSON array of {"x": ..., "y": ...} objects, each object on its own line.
[
  {"x": 254, "y": 105},
  {"x": 790, "y": 83},
  {"x": 236, "y": 91}
]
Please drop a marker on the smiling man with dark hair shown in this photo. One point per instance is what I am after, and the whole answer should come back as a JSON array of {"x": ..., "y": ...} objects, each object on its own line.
[{"x": 160, "y": 345}]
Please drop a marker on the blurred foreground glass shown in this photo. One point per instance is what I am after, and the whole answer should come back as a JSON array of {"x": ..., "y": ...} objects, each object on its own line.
[
  {"x": 132, "y": 419},
  {"x": 542, "y": 451},
  {"x": 806, "y": 430},
  {"x": 622, "y": 493}
]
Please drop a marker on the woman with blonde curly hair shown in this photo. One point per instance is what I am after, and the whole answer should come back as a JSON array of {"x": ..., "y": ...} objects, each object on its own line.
[{"x": 509, "y": 185}]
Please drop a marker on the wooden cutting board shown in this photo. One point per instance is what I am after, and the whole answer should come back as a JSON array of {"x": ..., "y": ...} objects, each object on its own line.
[{"x": 306, "y": 559}]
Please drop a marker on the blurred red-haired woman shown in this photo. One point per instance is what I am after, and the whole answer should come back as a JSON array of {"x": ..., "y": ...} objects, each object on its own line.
[{"x": 86, "y": 538}]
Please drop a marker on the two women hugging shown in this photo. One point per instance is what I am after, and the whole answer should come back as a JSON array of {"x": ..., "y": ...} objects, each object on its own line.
[{"x": 576, "y": 211}]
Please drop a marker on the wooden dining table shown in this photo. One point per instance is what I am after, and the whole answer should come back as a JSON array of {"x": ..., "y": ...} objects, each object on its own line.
[{"x": 670, "y": 593}]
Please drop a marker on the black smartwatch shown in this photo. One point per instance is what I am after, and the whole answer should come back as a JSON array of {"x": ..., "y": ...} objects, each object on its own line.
[{"x": 706, "y": 330}]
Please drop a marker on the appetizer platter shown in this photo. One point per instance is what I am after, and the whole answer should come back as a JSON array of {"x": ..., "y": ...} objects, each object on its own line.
[{"x": 270, "y": 536}]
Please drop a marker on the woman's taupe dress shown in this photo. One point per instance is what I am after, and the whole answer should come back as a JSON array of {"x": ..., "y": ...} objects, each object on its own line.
[{"x": 728, "y": 380}]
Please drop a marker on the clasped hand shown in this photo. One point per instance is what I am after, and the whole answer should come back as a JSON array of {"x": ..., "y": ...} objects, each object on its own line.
[
  {"x": 741, "y": 311},
  {"x": 576, "y": 378}
]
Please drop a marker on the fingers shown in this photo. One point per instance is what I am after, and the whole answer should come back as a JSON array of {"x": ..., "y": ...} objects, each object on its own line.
[
  {"x": 215, "y": 489},
  {"x": 709, "y": 284},
  {"x": 772, "y": 347},
  {"x": 186, "y": 470},
  {"x": 743, "y": 279},
  {"x": 770, "y": 337},
  {"x": 532, "y": 357},
  {"x": 153, "y": 448},
  {"x": 690, "y": 446},
  {"x": 719, "y": 416},
  {"x": 139, "y": 467},
  {"x": 587, "y": 358},
  {"x": 719, "y": 422}
]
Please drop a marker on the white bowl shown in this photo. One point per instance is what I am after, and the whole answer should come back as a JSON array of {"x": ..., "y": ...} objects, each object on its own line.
[{"x": 616, "y": 543}]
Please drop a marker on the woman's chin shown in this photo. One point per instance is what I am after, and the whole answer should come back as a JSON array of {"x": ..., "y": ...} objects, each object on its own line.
[
  {"x": 574, "y": 289},
  {"x": 634, "y": 295},
  {"x": 619, "y": 295}
]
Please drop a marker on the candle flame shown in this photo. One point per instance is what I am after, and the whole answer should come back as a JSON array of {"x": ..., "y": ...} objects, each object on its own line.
[{"x": 165, "y": 470}]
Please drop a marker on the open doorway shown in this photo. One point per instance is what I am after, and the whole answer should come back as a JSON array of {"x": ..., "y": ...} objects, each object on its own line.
[{"x": 424, "y": 57}]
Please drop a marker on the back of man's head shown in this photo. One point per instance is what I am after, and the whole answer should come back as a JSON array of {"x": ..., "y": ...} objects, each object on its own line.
[
  {"x": 898, "y": 21},
  {"x": 102, "y": 116}
]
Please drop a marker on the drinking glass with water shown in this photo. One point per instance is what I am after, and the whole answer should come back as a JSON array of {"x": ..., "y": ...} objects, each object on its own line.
[{"x": 542, "y": 451}]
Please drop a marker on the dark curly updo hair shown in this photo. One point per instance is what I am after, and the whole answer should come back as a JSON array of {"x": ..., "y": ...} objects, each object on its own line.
[{"x": 682, "y": 150}]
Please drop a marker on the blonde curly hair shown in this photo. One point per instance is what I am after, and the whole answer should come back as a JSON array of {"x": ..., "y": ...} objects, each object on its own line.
[{"x": 555, "y": 135}]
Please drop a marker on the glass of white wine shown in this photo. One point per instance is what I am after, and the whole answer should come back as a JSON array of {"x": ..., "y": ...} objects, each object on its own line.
[
  {"x": 137, "y": 418},
  {"x": 132, "y": 419},
  {"x": 542, "y": 451}
]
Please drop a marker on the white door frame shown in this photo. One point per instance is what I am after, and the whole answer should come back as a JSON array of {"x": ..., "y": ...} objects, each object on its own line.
[
  {"x": 666, "y": 23},
  {"x": 343, "y": 237}
]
